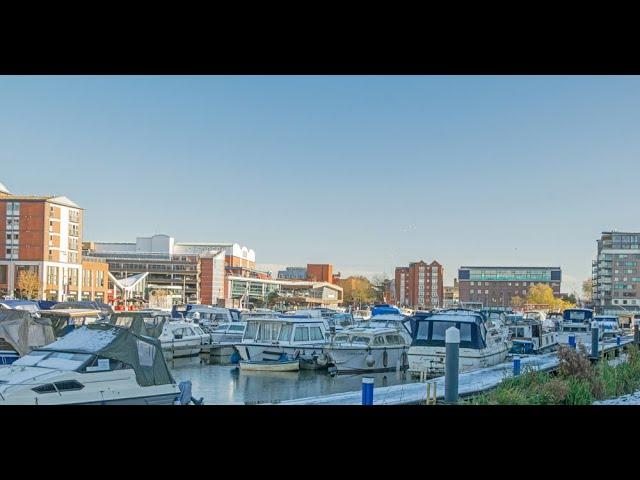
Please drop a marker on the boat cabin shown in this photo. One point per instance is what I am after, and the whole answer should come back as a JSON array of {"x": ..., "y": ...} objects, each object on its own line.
[
  {"x": 226, "y": 332},
  {"x": 576, "y": 320},
  {"x": 609, "y": 325},
  {"x": 430, "y": 330},
  {"x": 287, "y": 329}
]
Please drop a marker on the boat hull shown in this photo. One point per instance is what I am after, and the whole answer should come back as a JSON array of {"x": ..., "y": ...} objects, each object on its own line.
[
  {"x": 352, "y": 359},
  {"x": 431, "y": 360},
  {"x": 311, "y": 357}
]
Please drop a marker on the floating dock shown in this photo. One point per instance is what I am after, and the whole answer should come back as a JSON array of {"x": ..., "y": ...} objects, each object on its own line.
[{"x": 469, "y": 383}]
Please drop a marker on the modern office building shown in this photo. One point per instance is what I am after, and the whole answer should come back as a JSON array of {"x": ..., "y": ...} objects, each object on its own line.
[
  {"x": 244, "y": 290},
  {"x": 293, "y": 273},
  {"x": 420, "y": 285},
  {"x": 43, "y": 234},
  {"x": 616, "y": 273},
  {"x": 193, "y": 272},
  {"x": 496, "y": 286}
]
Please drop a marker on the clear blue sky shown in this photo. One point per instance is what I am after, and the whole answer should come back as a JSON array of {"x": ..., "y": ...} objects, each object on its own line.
[{"x": 363, "y": 172}]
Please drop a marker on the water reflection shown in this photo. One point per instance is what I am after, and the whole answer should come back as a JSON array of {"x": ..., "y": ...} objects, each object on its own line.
[{"x": 225, "y": 384}]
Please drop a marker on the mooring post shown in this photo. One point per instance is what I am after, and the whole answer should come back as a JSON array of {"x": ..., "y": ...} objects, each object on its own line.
[
  {"x": 451, "y": 364},
  {"x": 594, "y": 342},
  {"x": 572, "y": 341},
  {"x": 636, "y": 334},
  {"x": 516, "y": 366},
  {"x": 367, "y": 390}
]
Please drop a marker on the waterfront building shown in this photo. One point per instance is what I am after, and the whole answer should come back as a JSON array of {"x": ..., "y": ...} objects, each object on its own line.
[
  {"x": 616, "y": 273},
  {"x": 495, "y": 286},
  {"x": 43, "y": 234},
  {"x": 193, "y": 272},
  {"x": 420, "y": 285},
  {"x": 245, "y": 290}
]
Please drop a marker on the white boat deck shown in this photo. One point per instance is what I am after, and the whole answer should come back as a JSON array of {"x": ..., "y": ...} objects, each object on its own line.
[{"x": 471, "y": 382}]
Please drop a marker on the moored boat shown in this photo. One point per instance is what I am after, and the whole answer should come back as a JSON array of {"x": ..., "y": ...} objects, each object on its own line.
[
  {"x": 483, "y": 342},
  {"x": 94, "y": 364},
  {"x": 299, "y": 336},
  {"x": 367, "y": 349},
  {"x": 183, "y": 339}
]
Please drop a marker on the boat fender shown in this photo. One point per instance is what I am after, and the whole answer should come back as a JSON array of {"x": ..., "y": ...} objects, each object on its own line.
[
  {"x": 370, "y": 360},
  {"x": 385, "y": 357},
  {"x": 405, "y": 359},
  {"x": 235, "y": 357}
]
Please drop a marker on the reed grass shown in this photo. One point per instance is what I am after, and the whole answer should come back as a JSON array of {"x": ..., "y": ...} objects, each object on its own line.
[{"x": 577, "y": 382}]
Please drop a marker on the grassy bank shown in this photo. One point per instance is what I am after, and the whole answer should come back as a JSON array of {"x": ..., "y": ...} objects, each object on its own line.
[{"x": 577, "y": 382}]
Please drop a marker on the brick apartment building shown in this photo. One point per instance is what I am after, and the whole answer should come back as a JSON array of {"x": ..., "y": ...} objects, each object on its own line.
[
  {"x": 43, "y": 234},
  {"x": 420, "y": 285},
  {"x": 495, "y": 286}
]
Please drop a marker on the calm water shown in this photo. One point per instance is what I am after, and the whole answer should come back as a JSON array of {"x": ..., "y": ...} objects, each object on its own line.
[{"x": 225, "y": 384}]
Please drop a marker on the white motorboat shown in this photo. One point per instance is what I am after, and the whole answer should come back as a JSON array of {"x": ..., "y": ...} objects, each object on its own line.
[
  {"x": 386, "y": 316},
  {"x": 299, "y": 336},
  {"x": 529, "y": 336},
  {"x": 223, "y": 340},
  {"x": 576, "y": 323},
  {"x": 483, "y": 342},
  {"x": 94, "y": 364},
  {"x": 20, "y": 333},
  {"x": 608, "y": 325},
  {"x": 183, "y": 339},
  {"x": 367, "y": 349}
]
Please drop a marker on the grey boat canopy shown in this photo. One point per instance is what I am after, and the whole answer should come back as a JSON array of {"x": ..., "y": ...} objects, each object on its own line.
[
  {"x": 143, "y": 354},
  {"x": 147, "y": 324},
  {"x": 24, "y": 332}
]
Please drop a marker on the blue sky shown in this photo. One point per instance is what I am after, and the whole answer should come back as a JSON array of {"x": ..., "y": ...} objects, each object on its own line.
[{"x": 365, "y": 172}]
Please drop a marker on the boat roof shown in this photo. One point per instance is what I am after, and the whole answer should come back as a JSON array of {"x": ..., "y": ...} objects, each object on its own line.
[
  {"x": 368, "y": 331},
  {"x": 73, "y": 312},
  {"x": 463, "y": 316},
  {"x": 285, "y": 318},
  {"x": 387, "y": 316}
]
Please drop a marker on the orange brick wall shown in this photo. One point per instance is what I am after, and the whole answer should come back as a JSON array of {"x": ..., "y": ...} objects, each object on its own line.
[
  {"x": 320, "y": 272},
  {"x": 32, "y": 231}
]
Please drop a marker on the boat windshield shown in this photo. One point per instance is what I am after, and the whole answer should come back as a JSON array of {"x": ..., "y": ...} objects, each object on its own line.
[
  {"x": 342, "y": 338},
  {"x": 358, "y": 339},
  {"x": 576, "y": 315},
  {"x": 58, "y": 360}
]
